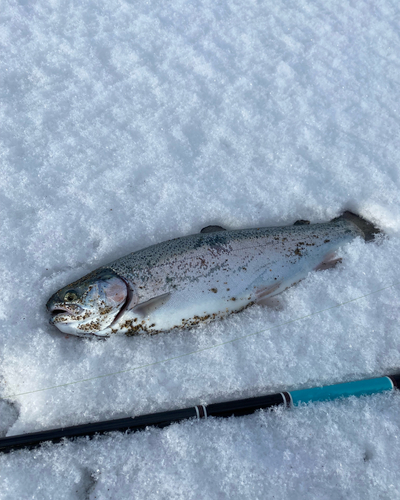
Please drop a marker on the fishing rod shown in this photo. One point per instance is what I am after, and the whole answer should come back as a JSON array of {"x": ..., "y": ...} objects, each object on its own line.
[{"x": 226, "y": 409}]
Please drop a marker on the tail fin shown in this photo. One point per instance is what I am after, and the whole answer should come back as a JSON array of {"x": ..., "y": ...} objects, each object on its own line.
[{"x": 366, "y": 227}]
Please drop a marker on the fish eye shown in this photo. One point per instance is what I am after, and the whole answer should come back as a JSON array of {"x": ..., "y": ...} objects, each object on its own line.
[{"x": 70, "y": 296}]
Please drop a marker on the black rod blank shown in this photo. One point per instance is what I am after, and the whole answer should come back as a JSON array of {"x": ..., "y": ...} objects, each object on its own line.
[{"x": 131, "y": 424}]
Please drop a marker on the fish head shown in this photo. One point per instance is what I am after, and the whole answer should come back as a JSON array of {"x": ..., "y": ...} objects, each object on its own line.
[{"x": 89, "y": 305}]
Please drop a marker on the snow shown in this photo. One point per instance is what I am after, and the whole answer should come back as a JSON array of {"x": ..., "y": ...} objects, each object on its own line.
[{"x": 125, "y": 124}]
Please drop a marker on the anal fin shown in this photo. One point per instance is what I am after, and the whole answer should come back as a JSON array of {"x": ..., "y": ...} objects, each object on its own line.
[{"x": 329, "y": 262}]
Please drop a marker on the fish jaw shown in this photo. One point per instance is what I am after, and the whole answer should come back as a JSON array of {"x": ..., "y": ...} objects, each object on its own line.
[
  {"x": 67, "y": 319},
  {"x": 63, "y": 314}
]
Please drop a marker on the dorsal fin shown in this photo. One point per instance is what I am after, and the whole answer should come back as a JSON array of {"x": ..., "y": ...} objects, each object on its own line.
[
  {"x": 212, "y": 229},
  {"x": 301, "y": 222}
]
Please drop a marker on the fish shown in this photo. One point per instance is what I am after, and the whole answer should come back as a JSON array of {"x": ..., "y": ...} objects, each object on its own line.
[{"x": 201, "y": 277}]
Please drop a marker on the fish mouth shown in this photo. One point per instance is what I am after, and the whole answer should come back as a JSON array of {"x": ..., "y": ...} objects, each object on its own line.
[{"x": 64, "y": 313}]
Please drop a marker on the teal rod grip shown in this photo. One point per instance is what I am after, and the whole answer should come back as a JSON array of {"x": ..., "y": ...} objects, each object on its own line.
[{"x": 330, "y": 392}]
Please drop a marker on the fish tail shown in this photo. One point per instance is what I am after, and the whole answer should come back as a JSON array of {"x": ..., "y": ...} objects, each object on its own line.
[{"x": 366, "y": 227}]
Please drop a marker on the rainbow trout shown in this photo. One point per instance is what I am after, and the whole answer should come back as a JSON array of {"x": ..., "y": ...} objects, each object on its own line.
[{"x": 198, "y": 278}]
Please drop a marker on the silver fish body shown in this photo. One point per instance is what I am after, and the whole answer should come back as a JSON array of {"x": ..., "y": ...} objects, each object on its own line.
[{"x": 197, "y": 278}]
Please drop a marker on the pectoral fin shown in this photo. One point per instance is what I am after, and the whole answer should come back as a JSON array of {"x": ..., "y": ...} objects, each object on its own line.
[{"x": 144, "y": 309}]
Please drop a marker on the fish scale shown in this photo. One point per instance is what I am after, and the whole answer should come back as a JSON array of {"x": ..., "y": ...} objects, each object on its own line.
[
  {"x": 201, "y": 277},
  {"x": 209, "y": 276}
]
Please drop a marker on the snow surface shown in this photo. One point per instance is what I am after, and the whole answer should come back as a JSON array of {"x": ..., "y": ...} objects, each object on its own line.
[{"x": 124, "y": 124}]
